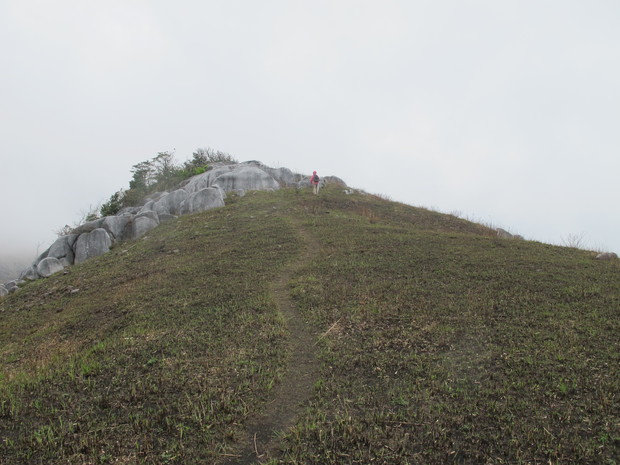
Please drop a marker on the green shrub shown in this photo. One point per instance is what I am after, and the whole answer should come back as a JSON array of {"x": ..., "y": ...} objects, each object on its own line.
[{"x": 112, "y": 206}]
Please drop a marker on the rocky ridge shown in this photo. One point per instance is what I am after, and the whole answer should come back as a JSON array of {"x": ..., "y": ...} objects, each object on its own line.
[{"x": 196, "y": 194}]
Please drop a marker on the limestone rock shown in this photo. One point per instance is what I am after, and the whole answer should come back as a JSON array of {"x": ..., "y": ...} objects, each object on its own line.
[
  {"x": 504, "y": 234},
  {"x": 41, "y": 257},
  {"x": 128, "y": 211},
  {"x": 334, "y": 180},
  {"x": 62, "y": 249},
  {"x": 92, "y": 244},
  {"x": 607, "y": 256},
  {"x": 148, "y": 207},
  {"x": 171, "y": 203},
  {"x": 29, "y": 274},
  {"x": 48, "y": 266},
  {"x": 88, "y": 227},
  {"x": 148, "y": 214},
  {"x": 155, "y": 196},
  {"x": 205, "y": 199},
  {"x": 284, "y": 176},
  {"x": 207, "y": 179},
  {"x": 117, "y": 227},
  {"x": 246, "y": 178},
  {"x": 143, "y": 224}
]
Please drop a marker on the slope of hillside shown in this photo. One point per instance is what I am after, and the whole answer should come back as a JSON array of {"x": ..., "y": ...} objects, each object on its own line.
[{"x": 434, "y": 342}]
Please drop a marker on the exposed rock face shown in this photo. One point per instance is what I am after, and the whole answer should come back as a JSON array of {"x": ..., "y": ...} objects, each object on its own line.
[
  {"x": 48, "y": 266},
  {"x": 334, "y": 180},
  {"x": 202, "y": 181},
  {"x": 607, "y": 256},
  {"x": 88, "y": 227},
  {"x": 62, "y": 249},
  {"x": 205, "y": 199},
  {"x": 172, "y": 203},
  {"x": 506, "y": 235},
  {"x": 118, "y": 227},
  {"x": 29, "y": 274},
  {"x": 143, "y": 224},
  {"x": 247, "y": 178},
  {"x": 92, "y": 244},
  {"x": 3, "y": 290},
  {"x": 197, "y": 194}
]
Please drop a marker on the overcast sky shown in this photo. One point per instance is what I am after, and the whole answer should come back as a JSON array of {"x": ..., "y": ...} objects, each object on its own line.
[{"x": 505, "y": 111}]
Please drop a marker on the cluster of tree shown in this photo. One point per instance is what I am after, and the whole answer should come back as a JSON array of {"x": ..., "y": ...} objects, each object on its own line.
[{"x": 159, "y": 174}]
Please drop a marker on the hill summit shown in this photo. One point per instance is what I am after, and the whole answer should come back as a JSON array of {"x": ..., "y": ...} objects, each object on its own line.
[
  {"x": 292, "y": 328},
  {"x": 198, "y": 193}
]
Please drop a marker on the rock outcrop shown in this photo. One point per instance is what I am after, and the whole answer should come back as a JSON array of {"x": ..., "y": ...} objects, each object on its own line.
[
  {"x": 92, "y": 244},
  {"x": 203, "y": 200},
  {"x": 607, "y": 256},
  {"x": 506, "y": 235},
  {"x": 198, "y": 193},
  {"x": 48, "y": 266}
]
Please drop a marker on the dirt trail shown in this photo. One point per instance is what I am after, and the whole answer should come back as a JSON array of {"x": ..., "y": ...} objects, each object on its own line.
[{"x": 302, "y": 371}]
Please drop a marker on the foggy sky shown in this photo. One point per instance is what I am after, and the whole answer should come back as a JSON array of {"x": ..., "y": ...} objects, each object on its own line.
[{"x": 505, "y": 112}]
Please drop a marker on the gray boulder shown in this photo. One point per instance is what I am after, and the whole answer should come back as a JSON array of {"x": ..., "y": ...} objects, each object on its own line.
[
  {"x": 205, "y": 199},
  {"x": 246, "y": 178},
  {"x": 41, "y": 257},
  {"x": 3, "y": 290},
  {"x": 171, "y": 203},
  {"x": 334, "y": 180},
  {"x": 155, "y": 196},
  {"x": 607, "y": 256},
  {"x": 161, "y": 206},
  {"x": 29, "y": 274},
  {"x": 284, "y": 176},
  {"x": 148, "y": 207},
  {"x": 48, "y": 266},
  {"x": 128, "y": 211},
  {"x": 148, "y": 214},
  {"x": 88, "y": 227},
  {"x": 205, "y": 180},
  {"x": 504, "y": 234},
  {"x": 62, "y": 249},
  {"x": 144, "y": 223},
  {"x": 92, "y": 244},
  {"x": 117, "y": 227}
]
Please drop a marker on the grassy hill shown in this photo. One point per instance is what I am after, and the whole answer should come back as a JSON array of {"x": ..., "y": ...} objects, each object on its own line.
[{"x": 383, "y": 333}]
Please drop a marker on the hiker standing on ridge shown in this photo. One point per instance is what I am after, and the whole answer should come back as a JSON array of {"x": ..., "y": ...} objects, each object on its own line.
[{"x": 314, "y": 180}]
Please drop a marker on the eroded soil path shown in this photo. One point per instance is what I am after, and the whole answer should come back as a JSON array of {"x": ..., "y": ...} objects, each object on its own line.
[{"x": 296, "y": 387}]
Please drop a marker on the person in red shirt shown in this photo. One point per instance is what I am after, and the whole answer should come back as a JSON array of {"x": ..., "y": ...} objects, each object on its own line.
[{"x": 314, "y": 180}]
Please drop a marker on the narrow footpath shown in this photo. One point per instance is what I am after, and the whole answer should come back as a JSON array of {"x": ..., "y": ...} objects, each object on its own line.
[{"x": 295, "y": 388}]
